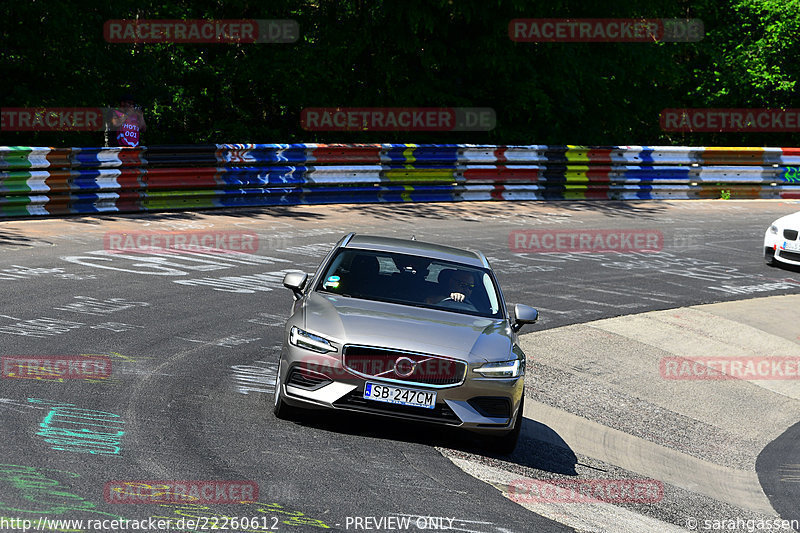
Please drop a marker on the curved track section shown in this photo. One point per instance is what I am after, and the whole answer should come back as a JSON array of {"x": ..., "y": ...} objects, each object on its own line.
[{"x": 192, "y": 340}]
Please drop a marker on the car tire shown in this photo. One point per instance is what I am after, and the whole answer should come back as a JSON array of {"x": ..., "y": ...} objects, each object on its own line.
[
  {"x": 769, "y": 257},
  {"x": 280, "y": 408},
  {"x": 507, "y": 443}
]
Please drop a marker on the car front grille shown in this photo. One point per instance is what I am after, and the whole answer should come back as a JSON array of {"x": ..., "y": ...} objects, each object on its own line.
[
  {"x": 790, "y": 234},
  {"x": 406, "y": 367},
  {"x": 441, "y": 413}
]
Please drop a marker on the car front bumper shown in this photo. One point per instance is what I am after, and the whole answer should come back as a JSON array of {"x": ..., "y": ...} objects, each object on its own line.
[
  {"x": 774, "y": 249},
  {"x": 478, "y": 404}
]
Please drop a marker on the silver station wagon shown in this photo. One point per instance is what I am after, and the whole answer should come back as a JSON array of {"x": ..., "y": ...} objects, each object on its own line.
[{"x": 405, "y": 329}]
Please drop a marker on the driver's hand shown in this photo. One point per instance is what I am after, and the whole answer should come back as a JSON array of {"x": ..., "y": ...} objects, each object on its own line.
[{"x": 457, "y": 296}]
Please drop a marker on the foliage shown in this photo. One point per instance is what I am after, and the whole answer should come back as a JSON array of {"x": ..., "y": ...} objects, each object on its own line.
[{"x": 403, "y": 53}]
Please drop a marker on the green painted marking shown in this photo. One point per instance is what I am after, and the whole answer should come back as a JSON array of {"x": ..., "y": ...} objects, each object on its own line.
[
  {"x": 41, "y": 491},
  {"x": 17, "y": 157},
  {"x": 200, "y": 198},
  {"x": 421, "y": 175}
]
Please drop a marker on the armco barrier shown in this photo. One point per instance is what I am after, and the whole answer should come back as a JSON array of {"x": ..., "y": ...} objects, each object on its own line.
[{"x": 58, "y": 181}]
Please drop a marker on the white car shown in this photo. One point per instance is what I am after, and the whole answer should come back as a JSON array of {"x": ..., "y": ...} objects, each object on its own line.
[{"x": 781, "y": 244}]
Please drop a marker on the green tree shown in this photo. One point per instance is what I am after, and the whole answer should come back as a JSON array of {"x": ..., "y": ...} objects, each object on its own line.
[{"x": 403, "y": 53}]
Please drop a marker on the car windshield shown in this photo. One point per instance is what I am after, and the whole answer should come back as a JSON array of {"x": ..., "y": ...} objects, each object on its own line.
[{"x": 412, "y": 280}]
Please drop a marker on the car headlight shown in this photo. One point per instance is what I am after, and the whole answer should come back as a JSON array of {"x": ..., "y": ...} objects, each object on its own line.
[
  {"x": 502, "y": 369},
  {"x": 773, "y": 229},
  {"x": 309, "y": 341}
]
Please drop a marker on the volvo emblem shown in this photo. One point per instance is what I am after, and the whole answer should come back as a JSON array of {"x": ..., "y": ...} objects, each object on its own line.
[{"x": 404, "y": 367}]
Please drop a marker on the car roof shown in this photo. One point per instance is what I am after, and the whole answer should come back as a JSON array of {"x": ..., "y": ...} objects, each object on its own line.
[{"x": 414, "y": 247}]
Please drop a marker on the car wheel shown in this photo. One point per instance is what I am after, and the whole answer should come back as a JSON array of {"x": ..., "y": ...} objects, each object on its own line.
[
  {"x": 507, "y": 443},
  {"x": 281, "y": 409},
  {"x": 769, "y": 257}
]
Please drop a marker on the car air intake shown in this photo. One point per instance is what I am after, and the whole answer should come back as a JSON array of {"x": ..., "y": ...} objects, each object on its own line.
[
  {"x": 306, "y": 379},
  {"x": 791, "y": 256},
  {"x": 790, "y": 234},
  {"x": 491, "y": 406}
]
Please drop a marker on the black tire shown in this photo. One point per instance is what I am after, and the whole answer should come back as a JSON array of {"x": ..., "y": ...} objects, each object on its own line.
[
  {"x": 280, "y": 408},
  {"x": 769, "y": 258},
  {"x": 506, "y": 444}
]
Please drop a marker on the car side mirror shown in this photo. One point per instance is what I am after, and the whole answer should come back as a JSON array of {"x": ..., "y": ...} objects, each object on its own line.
[
  {"x": 296, "y": 282},
  {"x": 524, "y": 314}
]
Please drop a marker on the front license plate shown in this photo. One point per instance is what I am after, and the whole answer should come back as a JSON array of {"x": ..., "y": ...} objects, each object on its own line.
[
  {"x": 400, "y": 395},
  {"x": 791, "y": 245}
]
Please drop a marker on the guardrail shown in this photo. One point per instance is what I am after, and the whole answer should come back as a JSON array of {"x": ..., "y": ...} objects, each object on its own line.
[{"x": 58, "y": 181}]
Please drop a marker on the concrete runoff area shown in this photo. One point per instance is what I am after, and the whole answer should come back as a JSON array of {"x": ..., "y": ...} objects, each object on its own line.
[{"x": 732, "y": 420}]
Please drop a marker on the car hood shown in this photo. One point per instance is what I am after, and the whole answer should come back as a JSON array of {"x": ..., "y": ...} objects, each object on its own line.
[
  {"x": 789, "y": 221},
  {"x": 370, "y": 323}
]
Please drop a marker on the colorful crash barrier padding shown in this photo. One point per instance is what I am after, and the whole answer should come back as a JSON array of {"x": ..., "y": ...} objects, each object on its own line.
[{"x": 58, "y": 181}]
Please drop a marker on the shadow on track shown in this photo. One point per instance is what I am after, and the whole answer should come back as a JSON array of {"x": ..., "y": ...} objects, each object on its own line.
[
  {"x": 467, "y": 210},
  {"x": 10, "y": 238},
  {"x": 779, "y": 473},
  {"x": 539, "y": 446}
]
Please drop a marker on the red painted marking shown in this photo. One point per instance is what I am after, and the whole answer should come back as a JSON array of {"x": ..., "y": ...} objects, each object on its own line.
[
  {"x": 188, "y": 178},
  {"x": 497, "y": 192},
  {"x": 131, "y": 157},
  {"x": 131, "y": 178},
  {"x": 502, "y": 173},
  {"x": 333, "y": 153},
  {"x": 600, "y": 155},
  {"x": 599, "y": 173},
  {"x": 596, "y": 192}
]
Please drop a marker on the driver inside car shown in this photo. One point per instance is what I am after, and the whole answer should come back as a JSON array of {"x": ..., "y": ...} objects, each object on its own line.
[{"x": 457, "y": 286}]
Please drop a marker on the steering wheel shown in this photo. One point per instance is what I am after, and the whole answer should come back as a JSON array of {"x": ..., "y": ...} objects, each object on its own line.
[{"x": 449, "y": 302}]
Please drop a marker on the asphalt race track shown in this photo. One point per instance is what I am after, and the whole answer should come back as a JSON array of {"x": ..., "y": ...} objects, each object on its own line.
[{"x": 193, "y": 341}]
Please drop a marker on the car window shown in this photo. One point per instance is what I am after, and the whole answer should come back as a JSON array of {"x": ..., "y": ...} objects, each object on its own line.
[
  {"x": 435, "y": 269},
  {"x": 387, "y": 266},
  {"x": 412, "y": 280},
  {"x": 494, "y": 303}
]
